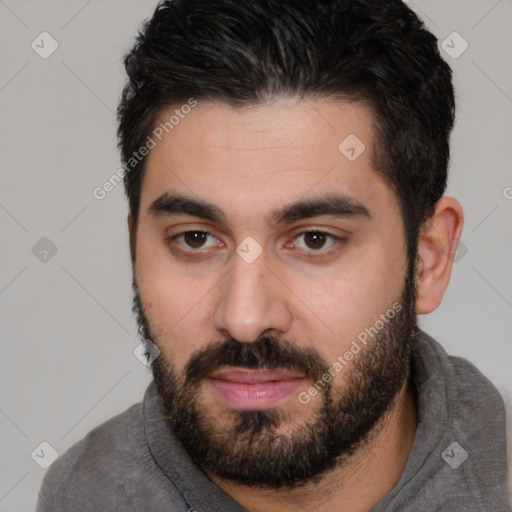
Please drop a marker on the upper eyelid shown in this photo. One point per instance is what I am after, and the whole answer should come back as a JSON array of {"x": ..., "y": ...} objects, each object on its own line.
[
  {"x": 181, "y": 233},
  {"x": 296, "y": 234}
]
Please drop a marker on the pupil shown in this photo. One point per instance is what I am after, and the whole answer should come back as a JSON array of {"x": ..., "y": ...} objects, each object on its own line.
[{"x": 317, "y": 239}]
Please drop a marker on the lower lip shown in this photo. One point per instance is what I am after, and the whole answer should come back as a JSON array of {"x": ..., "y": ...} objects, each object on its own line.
[{"x": 261, "y": 395}]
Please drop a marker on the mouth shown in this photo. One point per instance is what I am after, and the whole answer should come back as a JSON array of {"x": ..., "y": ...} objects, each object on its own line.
[{"x": 245, "y": 389}]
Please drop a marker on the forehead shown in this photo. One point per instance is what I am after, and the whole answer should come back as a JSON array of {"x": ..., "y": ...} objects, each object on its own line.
[
  {"x": 248, "y": 159},
  {"x": 283, "y": 125}
]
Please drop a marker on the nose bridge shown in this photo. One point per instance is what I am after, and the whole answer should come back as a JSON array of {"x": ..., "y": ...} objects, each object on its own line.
[{"x": 251, "y": 301}]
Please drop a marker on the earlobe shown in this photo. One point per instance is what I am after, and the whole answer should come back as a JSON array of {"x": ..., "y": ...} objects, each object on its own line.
[{"x": 437, "y": 245}]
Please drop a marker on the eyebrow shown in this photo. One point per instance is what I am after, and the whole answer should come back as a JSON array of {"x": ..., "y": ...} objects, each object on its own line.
[{"x": 334, "y": 205}]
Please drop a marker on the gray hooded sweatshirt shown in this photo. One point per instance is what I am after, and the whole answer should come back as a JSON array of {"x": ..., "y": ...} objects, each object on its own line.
[{"x": 133, "y": 463}]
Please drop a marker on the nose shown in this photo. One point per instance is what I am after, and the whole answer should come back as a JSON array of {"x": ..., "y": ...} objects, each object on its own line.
[{"x": 252, "y": 300}]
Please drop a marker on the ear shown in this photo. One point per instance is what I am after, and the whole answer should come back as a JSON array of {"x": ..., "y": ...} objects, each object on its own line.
[
  {"x": 132, "y": 228},
  {"x": 437, "y": 245}
]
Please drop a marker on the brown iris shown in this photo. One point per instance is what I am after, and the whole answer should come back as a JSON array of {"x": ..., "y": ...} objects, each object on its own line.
[
  {"x": 316, "y": 238},
  {"x": 195, "y": 239}
]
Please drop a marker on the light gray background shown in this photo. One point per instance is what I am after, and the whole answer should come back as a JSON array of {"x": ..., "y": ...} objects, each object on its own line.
[{"x": 66, "y": 324}]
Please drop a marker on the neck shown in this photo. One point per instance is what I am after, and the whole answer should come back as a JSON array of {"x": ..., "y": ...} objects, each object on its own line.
[{"x": 360, "y": 483}]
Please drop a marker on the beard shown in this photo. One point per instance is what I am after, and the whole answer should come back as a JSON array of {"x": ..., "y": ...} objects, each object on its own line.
[{"x": 264, "y": 448}]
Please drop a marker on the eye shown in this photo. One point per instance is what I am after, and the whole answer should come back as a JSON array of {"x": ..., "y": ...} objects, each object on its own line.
[
  {"x": 316, "y": 240},
  {"x": 194, "y": 240}
]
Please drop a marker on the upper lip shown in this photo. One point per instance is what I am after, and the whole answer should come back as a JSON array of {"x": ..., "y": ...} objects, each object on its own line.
[{"x": 248, "y": 376}]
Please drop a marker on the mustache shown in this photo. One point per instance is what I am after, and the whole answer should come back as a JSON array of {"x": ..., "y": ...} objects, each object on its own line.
[{"x": 265, "y": 353}]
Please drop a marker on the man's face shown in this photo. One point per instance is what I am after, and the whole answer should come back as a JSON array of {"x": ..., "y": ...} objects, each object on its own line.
[{"x": 249, "y": 311}]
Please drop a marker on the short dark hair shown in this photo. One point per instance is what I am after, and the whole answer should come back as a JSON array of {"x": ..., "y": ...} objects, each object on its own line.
[{"x": 245, "y": 52}]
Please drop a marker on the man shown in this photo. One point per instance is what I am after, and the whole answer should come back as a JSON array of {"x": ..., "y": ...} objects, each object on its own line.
[{"x": 285, "y": 163}]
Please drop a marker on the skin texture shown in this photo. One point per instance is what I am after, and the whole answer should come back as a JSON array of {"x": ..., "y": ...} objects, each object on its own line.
[{"x": 250, "y": 162}]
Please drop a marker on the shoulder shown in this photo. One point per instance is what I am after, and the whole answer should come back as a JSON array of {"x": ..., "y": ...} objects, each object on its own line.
[
  {"x": 93, "y": 464},
  {"x": 475, "y": 388},
  {"x": 465, "y": 383},
  {"x": 477, "y": 412}
]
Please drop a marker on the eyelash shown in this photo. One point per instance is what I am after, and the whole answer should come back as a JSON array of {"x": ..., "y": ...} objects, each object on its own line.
[{"x": 191, "y": 254}]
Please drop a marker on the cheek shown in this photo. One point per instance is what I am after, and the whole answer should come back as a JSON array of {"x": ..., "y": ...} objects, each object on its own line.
[
  {"x": 175, "y": 306},
  {"x": 345, "y": 302}
]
